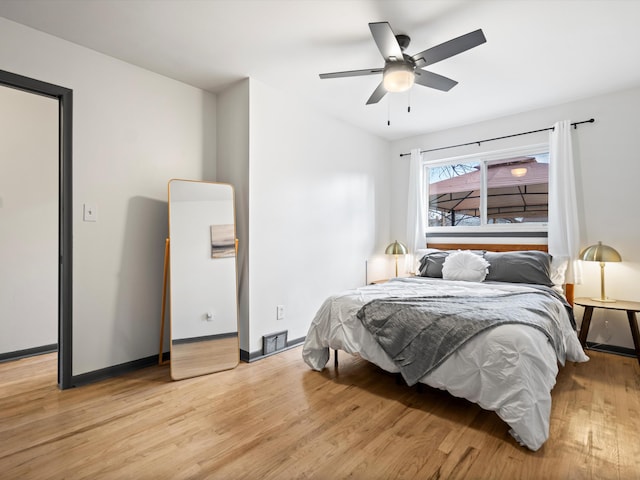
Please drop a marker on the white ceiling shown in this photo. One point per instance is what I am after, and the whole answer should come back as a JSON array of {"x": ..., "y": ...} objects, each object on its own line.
[{"x": 538, "y": 52}]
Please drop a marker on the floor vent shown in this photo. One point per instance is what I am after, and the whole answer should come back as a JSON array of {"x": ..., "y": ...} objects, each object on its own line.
[{"x": 274, "y": 342}]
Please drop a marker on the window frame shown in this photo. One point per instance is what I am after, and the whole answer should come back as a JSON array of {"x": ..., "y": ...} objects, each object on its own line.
[{"x": 483, "y": 158}]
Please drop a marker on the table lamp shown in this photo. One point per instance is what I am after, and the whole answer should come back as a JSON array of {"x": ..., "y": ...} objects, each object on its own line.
[
  {"x": 601, "y": 253},
  {"x": 396, "y": 249}
]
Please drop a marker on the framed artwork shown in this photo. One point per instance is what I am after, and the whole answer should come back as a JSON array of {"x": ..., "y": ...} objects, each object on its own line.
[{"x": 223, "y": 243}]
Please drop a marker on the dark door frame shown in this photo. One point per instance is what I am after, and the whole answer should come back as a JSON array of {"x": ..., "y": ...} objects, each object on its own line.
[{"x": 65, "y": 225}]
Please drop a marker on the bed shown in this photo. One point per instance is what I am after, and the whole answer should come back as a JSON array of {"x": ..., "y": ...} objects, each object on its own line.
[{"x": 508, "y": 365}]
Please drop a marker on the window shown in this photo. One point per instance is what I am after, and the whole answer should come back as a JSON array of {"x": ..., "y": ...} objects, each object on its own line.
[{"x": 506, "y": 188}]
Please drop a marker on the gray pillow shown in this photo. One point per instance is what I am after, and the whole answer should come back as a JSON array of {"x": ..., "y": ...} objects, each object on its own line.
[
  {"x": 529, "y": 266},
  {"x": 431, "y": 264}
]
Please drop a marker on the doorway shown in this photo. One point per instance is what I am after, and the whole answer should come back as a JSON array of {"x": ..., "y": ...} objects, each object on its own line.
[{"x": 64, "y": 97}]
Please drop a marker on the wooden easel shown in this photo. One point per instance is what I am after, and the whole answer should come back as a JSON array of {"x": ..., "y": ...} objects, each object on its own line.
[{"x": 164, "y": 302}]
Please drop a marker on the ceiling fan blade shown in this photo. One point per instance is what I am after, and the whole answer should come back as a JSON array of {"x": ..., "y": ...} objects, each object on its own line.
[
  {"x": 433, "y": 80},
  {"x": 352, "y": 73},
  {"x": 377, "y": 94},
  {"x": 449, "y": 49},
  {"x": 386, "y": 41}
]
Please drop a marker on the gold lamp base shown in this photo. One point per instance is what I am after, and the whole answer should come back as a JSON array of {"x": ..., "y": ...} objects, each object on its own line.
[{"x": 603, "y": 300}]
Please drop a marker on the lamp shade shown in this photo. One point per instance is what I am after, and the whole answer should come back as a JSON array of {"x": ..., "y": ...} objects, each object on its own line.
[
  {"x": 398, "y": 77},
  {"x": 600, "y": 253},
  {"x": 396, "y": 248}
]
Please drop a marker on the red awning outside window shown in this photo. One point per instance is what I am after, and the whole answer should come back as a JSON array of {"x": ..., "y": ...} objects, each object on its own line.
[{"x": 513, "y": 193}]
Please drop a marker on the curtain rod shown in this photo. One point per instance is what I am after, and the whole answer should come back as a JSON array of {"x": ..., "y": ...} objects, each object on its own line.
[{"x": 574, "y": 125}]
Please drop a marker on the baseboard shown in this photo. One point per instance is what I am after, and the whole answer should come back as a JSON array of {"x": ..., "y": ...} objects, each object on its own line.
[
  {"x": 29, "y": 352},
  {"x": 254, "y": 356},
  {"x": 204, "y": 338},
  {"x": 116, "y": 370},
  {"x": 602, "y": 347}
]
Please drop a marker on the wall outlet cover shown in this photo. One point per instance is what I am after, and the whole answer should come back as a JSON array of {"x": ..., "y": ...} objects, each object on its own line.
[{"x": 90, "y": 212}]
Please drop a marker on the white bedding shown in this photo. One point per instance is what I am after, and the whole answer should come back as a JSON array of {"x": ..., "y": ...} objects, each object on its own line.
[{"x": 509, "y": 369}]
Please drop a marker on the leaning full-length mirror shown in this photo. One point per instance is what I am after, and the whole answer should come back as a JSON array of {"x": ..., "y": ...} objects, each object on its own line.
[{"x": 202, "y": 259}]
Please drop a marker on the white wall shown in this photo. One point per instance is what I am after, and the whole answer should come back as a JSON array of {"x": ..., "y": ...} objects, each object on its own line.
[
  {"x": 312, "y": 191},
  {"x": 319, "y": 207},
  {"x": 28, "y": 222},
  {"x": 233, "y": 167},
  {"x": 607, "y": 171},
  {"x": 133, "y": 130}
]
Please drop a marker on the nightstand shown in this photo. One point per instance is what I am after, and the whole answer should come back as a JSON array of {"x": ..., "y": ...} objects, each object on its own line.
[{"x": 630, "y": 307}]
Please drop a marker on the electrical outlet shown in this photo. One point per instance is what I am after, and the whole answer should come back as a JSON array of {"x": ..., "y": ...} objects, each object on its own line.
[
  {"x": 90, "y": 213},
  {"x": 280, "y": 312}
]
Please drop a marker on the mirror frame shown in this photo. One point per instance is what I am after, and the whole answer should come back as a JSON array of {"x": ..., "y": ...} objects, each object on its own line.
[{"x": 203, "y": 354}]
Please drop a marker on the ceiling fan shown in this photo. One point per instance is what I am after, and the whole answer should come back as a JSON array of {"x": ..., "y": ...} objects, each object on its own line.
[{"x": 400, "y": 70}]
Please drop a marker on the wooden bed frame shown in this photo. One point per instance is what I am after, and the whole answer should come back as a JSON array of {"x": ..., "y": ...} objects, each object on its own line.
[{"x": 501, "y": 247}]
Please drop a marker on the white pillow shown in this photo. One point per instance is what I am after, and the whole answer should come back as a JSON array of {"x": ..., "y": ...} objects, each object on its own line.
[{"x": 465, "y": 265}]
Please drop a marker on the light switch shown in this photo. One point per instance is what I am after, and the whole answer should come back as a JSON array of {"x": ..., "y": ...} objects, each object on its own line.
[{"x": 90, "y": 213}]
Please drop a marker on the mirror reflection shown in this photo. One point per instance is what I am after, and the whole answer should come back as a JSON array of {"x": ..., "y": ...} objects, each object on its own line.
[{"x": 202, "y": 259}]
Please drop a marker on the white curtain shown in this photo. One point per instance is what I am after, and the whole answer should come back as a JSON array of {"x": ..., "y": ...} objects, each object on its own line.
[
  {"x": 564, "y": 230},
  {"x": 415, "y": 209}
]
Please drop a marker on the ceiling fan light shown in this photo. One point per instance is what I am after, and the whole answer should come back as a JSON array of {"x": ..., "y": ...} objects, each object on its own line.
[{"x": 398, "y": 78}]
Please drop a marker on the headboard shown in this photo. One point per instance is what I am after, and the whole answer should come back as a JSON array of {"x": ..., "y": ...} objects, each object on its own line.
[{"x": 500, "y": 247}]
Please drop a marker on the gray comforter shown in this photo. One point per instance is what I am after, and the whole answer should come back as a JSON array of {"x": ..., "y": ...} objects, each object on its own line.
[{"x": 420, "y": 333}]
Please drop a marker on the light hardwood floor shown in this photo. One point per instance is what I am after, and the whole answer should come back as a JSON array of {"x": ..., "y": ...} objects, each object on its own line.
[{"x": 277, "y": 419}]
